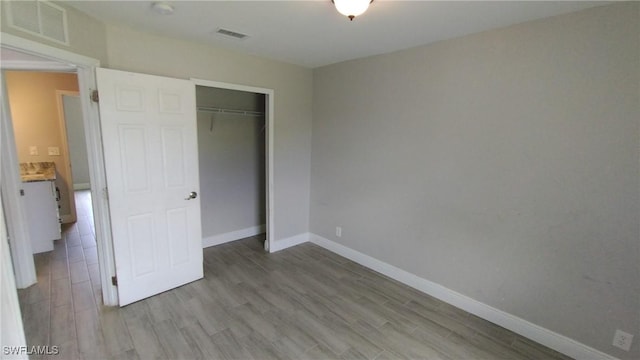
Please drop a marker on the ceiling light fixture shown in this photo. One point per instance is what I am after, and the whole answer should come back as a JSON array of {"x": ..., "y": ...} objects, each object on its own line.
[
  {"x": 162, "y": 8},
  {"x": 351, "y": 8}
]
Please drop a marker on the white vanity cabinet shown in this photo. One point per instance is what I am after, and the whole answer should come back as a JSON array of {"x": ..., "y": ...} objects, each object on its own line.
[{"x": 42, "y": 214}]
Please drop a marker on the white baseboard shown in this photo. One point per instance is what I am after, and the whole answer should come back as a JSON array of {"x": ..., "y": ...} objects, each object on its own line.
[
  {"x": 233, "y": 235},
  {"x": 518, "y": 325},
  {"x": 288, "y": 242},
  {"x": 81, "y": 186}
]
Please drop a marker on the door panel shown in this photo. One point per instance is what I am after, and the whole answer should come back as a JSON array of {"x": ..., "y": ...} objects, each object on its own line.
[
  {"x": 173, "y": 148},
  {"x": 141, "y": 229},
  {"x": 150, "y": 148},
  {"x": 133, "y": 157},
  {"x": 177, "y": 229}
]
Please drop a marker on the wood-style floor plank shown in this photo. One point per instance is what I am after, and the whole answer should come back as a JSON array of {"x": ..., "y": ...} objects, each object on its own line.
[{"x": 300, "y": 303}]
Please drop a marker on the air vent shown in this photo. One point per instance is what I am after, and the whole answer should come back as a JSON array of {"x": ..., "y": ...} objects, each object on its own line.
[
  {"x": 232, "y": 34},
  {"x": 40, "y": 18}
]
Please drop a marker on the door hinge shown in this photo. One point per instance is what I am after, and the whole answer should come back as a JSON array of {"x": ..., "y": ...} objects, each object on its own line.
[
  {"x": 105, "y": 193},
  {"x": 21, "y": 192},
  {"x": 94, "y": 96},
  {"x": 114, "y": 280}
]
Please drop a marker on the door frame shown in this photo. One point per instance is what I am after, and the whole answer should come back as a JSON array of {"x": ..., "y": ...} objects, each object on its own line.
[
  {"x": 62, "y": 124},
  {"x": 21, "y": 251},
  {"x": 269, "y": 112}
]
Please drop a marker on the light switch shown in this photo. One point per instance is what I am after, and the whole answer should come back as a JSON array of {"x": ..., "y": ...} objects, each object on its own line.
[
  {"x": 54, "y": 150},
  {"x": 33, "y": 150}
]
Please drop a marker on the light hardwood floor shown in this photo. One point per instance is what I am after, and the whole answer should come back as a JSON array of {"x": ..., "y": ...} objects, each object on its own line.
[{"x": 301, "y": 303}]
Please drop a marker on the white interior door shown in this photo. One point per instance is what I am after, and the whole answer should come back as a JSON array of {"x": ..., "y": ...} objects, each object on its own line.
[{"x": 151, "y": 160}]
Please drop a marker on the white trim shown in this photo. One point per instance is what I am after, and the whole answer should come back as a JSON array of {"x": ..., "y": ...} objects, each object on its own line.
[
  {"x": 269, "y": 165},
  {"x": 81, "y": 186},
  {"x": 15, "y": 210},
  {"x": 289, "y": 242},
  {"x": 87, "y": 81},
  {"x": 98, "y": 178},
  {"x": 518, "y": 325},
  {"x": 11, "y": 328},
  {"x": 230, "y": 86},
  {"x": 65, "y": 154},
  {"x": 17, "y": 43},
  {"x": 233, "y": 235},
  {"x": 36, "y": 65}
]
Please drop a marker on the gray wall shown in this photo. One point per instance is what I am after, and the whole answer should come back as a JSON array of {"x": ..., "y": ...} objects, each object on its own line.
[
  {"x": 131, "y": 50},
  {"x": 502, "y": 165},
  {"x": 231, "y": 152},
  {"x": 76, "y": 142}
]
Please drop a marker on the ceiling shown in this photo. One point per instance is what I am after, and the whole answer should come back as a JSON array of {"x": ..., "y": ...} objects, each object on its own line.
[{"x": 312, "y": 33}]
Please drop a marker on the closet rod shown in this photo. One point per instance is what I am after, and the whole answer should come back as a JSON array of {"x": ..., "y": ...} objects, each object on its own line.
[{"x": 230, "y": 111}]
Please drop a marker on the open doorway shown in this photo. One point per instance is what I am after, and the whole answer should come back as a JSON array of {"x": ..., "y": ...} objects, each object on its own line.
[
  {"x": 23, "y": 55},
  {"x": 39, "y": 130},
  {"x": 235, "y": 134},
  {"x": 72, "y": 130},
  {"x": 232, "y": 164},
  {"x": 47, "y": 120}
]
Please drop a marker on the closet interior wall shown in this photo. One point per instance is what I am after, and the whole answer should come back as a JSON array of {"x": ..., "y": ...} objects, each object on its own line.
[{"x": 231, "y": 151}]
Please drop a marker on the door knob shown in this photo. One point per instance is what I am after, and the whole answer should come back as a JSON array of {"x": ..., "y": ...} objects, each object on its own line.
[{"x": 192, "y": 195}]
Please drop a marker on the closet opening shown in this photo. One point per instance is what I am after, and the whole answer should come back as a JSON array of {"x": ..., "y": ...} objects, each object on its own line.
[{"x": 232, "y": 156}]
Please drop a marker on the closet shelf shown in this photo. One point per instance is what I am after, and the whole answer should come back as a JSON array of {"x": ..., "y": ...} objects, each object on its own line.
[{"x": 230, "y": 111}]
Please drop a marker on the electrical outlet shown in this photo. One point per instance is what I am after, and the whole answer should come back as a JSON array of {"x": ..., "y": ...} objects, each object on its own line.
[
  {"x": 33, "y": 150},
  {"x": 54, "y": 150},
  {"x": 339, "y": 231},
  {"x": 622, "y": 340}
]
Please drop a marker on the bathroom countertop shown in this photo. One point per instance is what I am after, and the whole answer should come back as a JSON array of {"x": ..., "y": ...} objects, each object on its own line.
[{"x": 38, "y": 171}]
